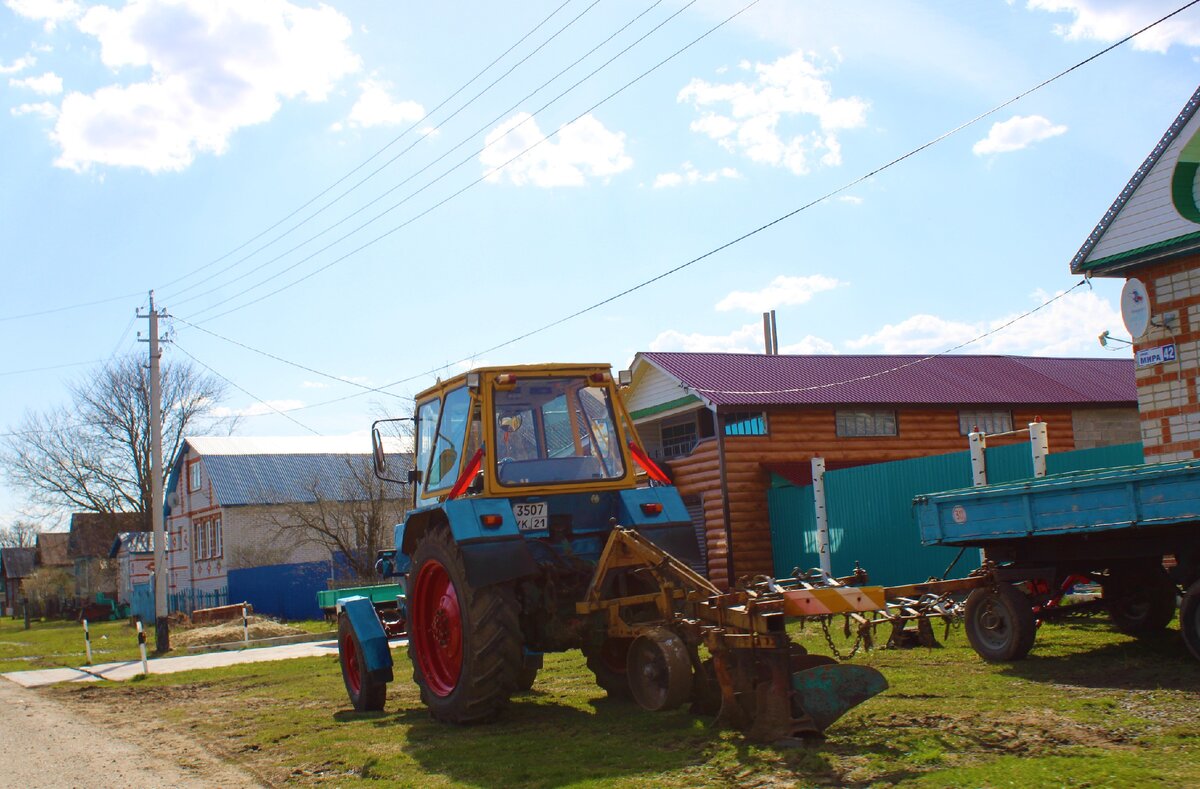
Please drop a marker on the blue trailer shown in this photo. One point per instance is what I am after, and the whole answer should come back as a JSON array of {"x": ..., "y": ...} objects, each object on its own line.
[{"x": 1133, "y": 530}]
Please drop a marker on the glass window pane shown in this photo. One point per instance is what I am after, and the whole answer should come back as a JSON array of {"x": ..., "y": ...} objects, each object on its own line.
[{"x": 451, "y": 435}]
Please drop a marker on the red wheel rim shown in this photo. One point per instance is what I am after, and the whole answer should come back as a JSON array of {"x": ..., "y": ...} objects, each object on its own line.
[
  {"x": 437, "y": 628},
  {"x": 350, "y": 664}
]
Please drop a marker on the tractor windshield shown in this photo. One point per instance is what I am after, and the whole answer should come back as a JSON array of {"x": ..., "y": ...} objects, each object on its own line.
[{"x": 552, "y": 430}]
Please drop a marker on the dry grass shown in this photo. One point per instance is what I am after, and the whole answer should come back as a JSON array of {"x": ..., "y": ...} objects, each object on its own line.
[{"x": 226, "y": 632}]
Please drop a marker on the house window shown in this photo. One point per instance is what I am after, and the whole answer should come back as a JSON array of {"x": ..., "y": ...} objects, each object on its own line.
[
  {"x": 193, "y": 477},
  {"x": 990, "y": 422},
  {"x": 678, "y": 440},
  {"x": 206, "y": 539},
  {"x": 745, "y": 423},
  {"x": 217, "y": 540},
  {"x": 200, "y": 540},
  {"x": 858, "y": 424}
]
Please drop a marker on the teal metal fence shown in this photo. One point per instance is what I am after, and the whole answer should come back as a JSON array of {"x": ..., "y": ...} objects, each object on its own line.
[
  {"x": 185, "y": 601},
  {"x": 870, "y": 510}
]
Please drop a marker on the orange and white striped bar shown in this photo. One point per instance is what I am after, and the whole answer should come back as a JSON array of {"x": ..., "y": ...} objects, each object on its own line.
[{"x": 833, "y": 600}]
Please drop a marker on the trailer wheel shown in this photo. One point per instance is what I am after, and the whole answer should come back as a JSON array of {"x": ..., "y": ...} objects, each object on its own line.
[
  {"x": 608, "y": 663},
  {"x": 465, "y": 643},
  {"x": 366, "y": 694},
  {"x": 1140, "y": 602},
  {"x": 1189, "y": 619},
  {"x": 999, "y": 623}
]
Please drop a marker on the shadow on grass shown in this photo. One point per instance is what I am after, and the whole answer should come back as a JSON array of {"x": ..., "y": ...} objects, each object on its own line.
[
  {"x": 537, "y": 742},
  {"x": 1153, "y": 661}
]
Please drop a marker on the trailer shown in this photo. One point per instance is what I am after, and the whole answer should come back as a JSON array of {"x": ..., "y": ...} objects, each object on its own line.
[{"x": 1132, "y": 531}]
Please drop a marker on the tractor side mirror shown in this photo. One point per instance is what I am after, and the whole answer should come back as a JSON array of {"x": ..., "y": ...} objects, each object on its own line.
[
  {"x": 378, "y": 456},
  {"x": 414, "y": 476}
]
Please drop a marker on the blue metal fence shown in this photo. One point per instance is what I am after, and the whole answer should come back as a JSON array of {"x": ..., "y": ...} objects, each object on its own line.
[
  {"x": 870, "y": 510},
  {"x": 141, "y": 603},
  {"x": 286, "y": 591},
  {"x": 185, "y": 601}
]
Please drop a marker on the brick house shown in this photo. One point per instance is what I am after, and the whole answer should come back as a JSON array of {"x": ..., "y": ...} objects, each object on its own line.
[
  {"x": 1151, "y": 237},
  {"x": 233, "y": 502},
  {"x": 724, "y": 423}
]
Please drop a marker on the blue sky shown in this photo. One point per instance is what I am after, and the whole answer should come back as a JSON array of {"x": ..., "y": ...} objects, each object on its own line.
[{"x": 165, "y": 144}]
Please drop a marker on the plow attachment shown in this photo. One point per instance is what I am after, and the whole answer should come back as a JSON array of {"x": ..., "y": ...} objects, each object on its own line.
[{"x": 755, "y": 677}]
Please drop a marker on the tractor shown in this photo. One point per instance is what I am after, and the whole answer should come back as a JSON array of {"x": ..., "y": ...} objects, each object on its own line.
[{"x": 540, "y": 524}]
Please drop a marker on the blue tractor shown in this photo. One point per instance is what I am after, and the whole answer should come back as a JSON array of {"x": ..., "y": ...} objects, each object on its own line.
[{"x": 540, "y": 525}]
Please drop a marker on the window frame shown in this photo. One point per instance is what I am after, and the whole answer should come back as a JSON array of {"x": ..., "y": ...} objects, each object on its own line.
[
  {"x": 971, "y": 418},
  {"x": 193, "y": 475},
  {"x": 845, "y": 418},
  {"x": 756, "y": 420}
]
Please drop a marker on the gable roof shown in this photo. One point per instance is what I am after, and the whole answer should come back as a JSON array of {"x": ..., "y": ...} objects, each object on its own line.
[
  {"x": 286, "y": 469},
  {"x": 17, "y": 562},
  {"x": 133, "y": 542},
  {"x": 92, "y": 533},
  {"x": 1145, "y": 223},
  {"x": 52, "y": 548},
  {"x": 731, "y": 379}
]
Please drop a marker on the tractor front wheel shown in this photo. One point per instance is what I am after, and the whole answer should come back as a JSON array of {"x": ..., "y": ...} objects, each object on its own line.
[
  {"x": 609, "y": 663},
  {"x": 366, "y": 694},
  {"x": 999, "y": 623},
  {"x": 465, "y": 643},
  {"x": 1189, "y": 619}
]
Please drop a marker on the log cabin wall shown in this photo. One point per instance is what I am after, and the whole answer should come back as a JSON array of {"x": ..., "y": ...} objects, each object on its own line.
[{"x": 799, "y": 434}]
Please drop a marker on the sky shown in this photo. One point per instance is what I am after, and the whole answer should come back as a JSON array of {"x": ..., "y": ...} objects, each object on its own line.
[{"x": 332, "y": 196}]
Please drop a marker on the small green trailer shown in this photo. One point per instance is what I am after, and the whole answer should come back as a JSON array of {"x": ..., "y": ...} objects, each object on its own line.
[{"x": 388, "y": 600}]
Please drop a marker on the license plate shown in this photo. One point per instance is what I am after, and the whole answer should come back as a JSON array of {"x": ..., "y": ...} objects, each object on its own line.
[{"x": 531, "y": 515}]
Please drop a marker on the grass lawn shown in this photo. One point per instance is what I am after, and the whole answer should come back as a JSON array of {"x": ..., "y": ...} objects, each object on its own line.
[{"x": 1089, "y": 707}]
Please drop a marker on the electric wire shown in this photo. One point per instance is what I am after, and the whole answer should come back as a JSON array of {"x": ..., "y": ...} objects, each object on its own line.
[
  {"x": 280, "y": 412},
  {"x": 375, "y": 155},
  {"x": 428, "y": 132},
  {"x": 478, "y": 180},
  {"x": 471, "y": 157},
  {"x": 81, "y": 305}
]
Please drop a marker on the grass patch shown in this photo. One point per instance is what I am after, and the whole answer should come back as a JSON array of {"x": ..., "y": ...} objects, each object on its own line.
[
  {"x": 57, "y": 644},
  {"x": 1090, "y": 707}
]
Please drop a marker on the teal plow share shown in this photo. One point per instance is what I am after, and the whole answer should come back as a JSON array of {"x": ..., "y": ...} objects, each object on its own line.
[{"x": 754, "y": 677}]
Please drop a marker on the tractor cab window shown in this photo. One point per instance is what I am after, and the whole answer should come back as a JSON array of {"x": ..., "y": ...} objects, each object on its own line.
[
  {"x": 448, "y": 442},
  {"x": 427, "y": 419},
  {"x": 551, "y": 430}
]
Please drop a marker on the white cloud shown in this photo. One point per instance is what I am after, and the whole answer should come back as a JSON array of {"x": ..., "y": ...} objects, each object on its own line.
[
  {"x": 43, "y": 109},
  {"x": 49, "y": 84},
  {"x": 690, "y": 175},
  {"x": 375, "y": 107},
  {"x": 792, "y": 89},
  {"x": 315, "y": 385},
  {"x": 584, "y": 148},
  {"x": 1068, "y": 327},
  {"x": 783, "y": 291},
  {"x": 1019, "y": 131},
  {"x": 257, "y": 409},
  {"x": 1110, "y": 20},
  {"x": 18, "y": 65},
  {"x": 851, "y": 199},
  {"x": 747, "y": 339},
  {"x": 49, "y": 11},
  {"x": 215, "y": 66}
]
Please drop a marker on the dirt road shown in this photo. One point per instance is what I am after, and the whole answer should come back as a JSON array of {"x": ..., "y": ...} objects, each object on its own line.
[{"x": 47, "y": 745}]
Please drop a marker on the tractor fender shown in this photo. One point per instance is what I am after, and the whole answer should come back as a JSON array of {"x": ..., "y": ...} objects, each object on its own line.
[
  {"x": 371, "y": 638},
  {"x": 670, "y": 529},
  {"x": 491, "y": 554}
]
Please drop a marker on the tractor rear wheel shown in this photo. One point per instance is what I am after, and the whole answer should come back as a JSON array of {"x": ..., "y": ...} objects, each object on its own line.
[
  {"x": 366, "y": 694},
  {"x": 465, "y": 643},
  {"x": 1189, "y": 619},
  {"x": 999, "y": 623},
  {"x": 608, "y": 663},
  {"x": 1140, "y": 602}
]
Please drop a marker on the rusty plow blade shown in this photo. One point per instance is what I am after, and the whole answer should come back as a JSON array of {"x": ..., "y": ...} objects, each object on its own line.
[{"x": 826, "y": 693}]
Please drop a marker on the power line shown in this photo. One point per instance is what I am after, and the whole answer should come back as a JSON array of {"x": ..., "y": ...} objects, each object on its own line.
[
  {"x": 52, "y": 367},
  {"x": 445, "y": 173},
  {"x": 297, "y": 365},
  {"x": 257, "y": 399},
  {"x": 53, "y": 310},
  {"x": 477, "y": 181},
  {"x": 383, "y": 166},
  {"x": 910, "y": 363}
]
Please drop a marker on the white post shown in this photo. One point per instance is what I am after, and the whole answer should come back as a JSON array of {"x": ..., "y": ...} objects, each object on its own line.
[
  {"x": 142, "y": 647},
  {"x": 87, "y": 642},
  {"x": 245, "y": 625},
  {"x": 158, "y": 526},
  {"x": 1039, "y": 439},
  {"x": 978, "y": 458},
  {"x": 818, "y": 477}
]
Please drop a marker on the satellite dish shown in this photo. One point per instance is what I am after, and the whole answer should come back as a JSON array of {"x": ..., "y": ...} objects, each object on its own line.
[
  {"x": 173, "y": 499},
  {"x": 1135, "y": 307}
]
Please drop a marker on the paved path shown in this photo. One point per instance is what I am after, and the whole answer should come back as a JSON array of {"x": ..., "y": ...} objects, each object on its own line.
[{"x": 169, "y": 665}]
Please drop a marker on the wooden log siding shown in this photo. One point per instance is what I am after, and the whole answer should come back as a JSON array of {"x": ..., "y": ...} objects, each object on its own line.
[{"x": 801, "y": 434}]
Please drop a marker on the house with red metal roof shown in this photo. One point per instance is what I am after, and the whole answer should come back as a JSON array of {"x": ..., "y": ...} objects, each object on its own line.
[{"x": 724, "y": 423}]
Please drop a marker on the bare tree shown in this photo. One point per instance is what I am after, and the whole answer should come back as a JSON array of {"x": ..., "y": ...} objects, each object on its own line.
[
  {"x": 353, "y": 517},
  {"x": 20, "y": 534},
  {"x": 94, "y": 455}
]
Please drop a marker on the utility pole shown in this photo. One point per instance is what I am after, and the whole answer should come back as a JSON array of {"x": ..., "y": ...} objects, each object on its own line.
[{"x": 161, "y": 635}]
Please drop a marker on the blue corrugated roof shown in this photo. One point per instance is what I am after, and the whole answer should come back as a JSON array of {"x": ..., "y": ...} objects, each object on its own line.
[{"x": 291, "y": 479}]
